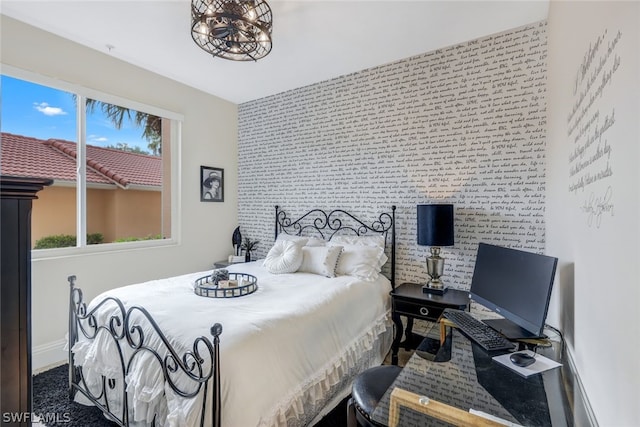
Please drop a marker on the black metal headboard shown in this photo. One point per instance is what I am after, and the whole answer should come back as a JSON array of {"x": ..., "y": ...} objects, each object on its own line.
[{"x": 339, "y": 222}]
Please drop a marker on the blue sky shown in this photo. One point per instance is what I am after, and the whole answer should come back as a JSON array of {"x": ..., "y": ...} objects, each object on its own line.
[{"x": 41, "y": 112}]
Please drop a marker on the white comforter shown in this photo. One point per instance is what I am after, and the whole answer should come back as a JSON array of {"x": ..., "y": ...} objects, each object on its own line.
[{"x": 284, "y": 344}]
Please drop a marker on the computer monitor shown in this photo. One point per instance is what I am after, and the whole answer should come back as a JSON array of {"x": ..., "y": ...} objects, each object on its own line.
[{"x": 515, "y": 284}]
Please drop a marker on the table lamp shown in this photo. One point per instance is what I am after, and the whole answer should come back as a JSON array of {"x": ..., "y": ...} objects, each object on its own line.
[{"x": 435, "y": 229}]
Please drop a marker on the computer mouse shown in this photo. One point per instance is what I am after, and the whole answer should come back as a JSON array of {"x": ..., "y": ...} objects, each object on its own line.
[{"x": 522, "y": 359}]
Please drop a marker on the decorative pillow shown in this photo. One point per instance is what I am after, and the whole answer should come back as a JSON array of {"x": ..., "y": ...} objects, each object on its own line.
[
  {"x": 360, "y": 261},
  {"x": 320, "y": 260},
  {"x": 284, "y": 257},
  {"x": 375, "y": 241}
]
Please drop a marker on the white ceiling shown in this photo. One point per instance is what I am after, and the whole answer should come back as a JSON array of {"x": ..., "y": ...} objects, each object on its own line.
[{"x": 312, "y": 40}]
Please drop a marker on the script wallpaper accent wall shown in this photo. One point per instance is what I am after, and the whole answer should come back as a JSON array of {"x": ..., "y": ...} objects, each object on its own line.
[{"x": 464, "y": 125}]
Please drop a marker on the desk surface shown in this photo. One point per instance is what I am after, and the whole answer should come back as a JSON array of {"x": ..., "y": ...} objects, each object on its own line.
[{"x": 472, "y": 380}]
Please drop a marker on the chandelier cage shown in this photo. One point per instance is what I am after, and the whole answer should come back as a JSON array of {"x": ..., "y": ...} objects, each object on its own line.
[{"x": 238, "y": 30}]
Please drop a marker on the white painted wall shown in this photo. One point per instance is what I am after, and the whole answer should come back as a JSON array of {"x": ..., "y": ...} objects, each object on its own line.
[
  {"x": 209, "y": 137},
  {"x": 594, "y": 230}
]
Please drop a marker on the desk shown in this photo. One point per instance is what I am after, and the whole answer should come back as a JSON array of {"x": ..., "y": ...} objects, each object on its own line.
[
  {"x": 465, "y": 377},
  {"x": 409, "y": 300}
]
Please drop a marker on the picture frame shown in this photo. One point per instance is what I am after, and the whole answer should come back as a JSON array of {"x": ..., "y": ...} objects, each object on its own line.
[{"x": 211, "y": 184}]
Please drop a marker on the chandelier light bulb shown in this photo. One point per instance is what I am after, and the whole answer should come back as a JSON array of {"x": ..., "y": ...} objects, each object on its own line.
[{"x": 251, "y": 14}]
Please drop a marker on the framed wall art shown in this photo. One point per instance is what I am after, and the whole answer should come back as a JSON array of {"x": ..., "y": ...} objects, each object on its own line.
[{"x": 211, "y": 184}]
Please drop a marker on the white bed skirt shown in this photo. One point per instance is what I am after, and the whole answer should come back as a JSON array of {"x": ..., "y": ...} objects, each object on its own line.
[{"x": 369, "y": 359}]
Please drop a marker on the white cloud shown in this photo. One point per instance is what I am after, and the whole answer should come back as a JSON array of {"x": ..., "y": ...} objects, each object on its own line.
[
  {"x": 47, "y": 110},
  {"x": 96, "y": 138}
]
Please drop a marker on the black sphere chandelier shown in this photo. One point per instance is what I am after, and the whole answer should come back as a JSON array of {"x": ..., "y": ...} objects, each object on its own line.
[{"x": 239, "y": 30}]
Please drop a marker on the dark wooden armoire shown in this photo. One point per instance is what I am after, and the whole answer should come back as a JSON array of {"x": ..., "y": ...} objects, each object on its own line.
[{"x": 16, "y": 196}]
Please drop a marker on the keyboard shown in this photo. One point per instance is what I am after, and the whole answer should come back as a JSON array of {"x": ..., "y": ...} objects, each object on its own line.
[{"x": 485, "y": 336}]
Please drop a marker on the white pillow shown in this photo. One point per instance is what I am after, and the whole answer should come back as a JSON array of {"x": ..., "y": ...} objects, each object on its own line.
[
  {"x": 320, "y": 260},
  {"x": 314, "y": 241},
  {"x": 284, "y": 257},
  {"x": 360, "y": 261},
  {"x": 376, "y": 240},
  {"x": 301, "y": 240},
  {"x": 289, "y": 237}
]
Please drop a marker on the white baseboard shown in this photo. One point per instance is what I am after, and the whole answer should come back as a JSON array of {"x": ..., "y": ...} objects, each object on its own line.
[
  {"x": 47, "y": 356},
  {"x": 582, "y": 412}
]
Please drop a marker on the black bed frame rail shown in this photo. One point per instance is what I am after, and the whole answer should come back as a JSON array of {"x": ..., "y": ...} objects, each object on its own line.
[
  {"x": 199, "y": 365},
  {"x": 338, "y": 221}
]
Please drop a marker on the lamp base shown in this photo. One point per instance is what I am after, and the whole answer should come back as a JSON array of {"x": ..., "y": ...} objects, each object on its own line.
[
  {"x": 435, "y": 268},
  {"x": 432, "y": 290}
]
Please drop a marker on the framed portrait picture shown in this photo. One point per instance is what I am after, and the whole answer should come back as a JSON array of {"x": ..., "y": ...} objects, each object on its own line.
[{"x": 211, "y": 184}]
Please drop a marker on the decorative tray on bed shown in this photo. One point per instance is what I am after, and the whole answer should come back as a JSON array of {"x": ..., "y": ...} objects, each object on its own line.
[{"x": 246, "y": 284}]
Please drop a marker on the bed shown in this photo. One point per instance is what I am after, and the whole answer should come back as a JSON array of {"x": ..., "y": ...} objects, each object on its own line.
[{"x": 158, "y": 353}]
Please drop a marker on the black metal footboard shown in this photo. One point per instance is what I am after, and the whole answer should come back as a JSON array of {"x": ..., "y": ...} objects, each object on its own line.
[{"x": 124, "y": 329}]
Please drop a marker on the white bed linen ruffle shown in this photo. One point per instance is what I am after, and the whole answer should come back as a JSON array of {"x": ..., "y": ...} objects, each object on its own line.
[{"x": 315, "y": 389}]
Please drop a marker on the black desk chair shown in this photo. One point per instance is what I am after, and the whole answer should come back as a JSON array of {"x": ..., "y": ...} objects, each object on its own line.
[{"x": 367, "y": 390}]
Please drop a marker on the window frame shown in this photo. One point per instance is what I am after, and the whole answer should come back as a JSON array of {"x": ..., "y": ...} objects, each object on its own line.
[{"x": 83, "y": 93}]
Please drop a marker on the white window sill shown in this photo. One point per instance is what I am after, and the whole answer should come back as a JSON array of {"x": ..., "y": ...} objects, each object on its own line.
[{"x": 46, "y": 254}]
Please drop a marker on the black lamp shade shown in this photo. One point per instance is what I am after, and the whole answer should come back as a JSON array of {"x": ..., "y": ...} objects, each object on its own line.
[{"x": 435, "y": 225}]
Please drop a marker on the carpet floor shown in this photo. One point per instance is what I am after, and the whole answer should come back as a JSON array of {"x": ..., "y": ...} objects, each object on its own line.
[{"x": 51, "y": 396}]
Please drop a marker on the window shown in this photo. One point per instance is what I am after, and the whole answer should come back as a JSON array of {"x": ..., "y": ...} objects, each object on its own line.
[{"x": 110, "y": 160}]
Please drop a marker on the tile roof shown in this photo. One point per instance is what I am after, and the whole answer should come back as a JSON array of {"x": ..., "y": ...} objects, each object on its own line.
[{"x": 55, "y": 158}]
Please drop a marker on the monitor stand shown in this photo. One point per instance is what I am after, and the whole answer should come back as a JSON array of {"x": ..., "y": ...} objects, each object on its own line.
[{"x": 510, "y": 329}]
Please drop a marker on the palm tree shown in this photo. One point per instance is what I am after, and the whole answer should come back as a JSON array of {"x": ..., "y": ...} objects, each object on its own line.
[
  {"x": 123, "y": 146},
  {"x": 152, "y": 125}
]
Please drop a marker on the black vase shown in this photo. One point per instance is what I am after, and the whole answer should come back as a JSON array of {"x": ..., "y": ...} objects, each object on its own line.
[{"x": 247, "y": 256}]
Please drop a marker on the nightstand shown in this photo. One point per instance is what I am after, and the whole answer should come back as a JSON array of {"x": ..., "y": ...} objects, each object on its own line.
[
  {"x": 409, "y": 300},
  {"x": 223, "y": 264}
]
